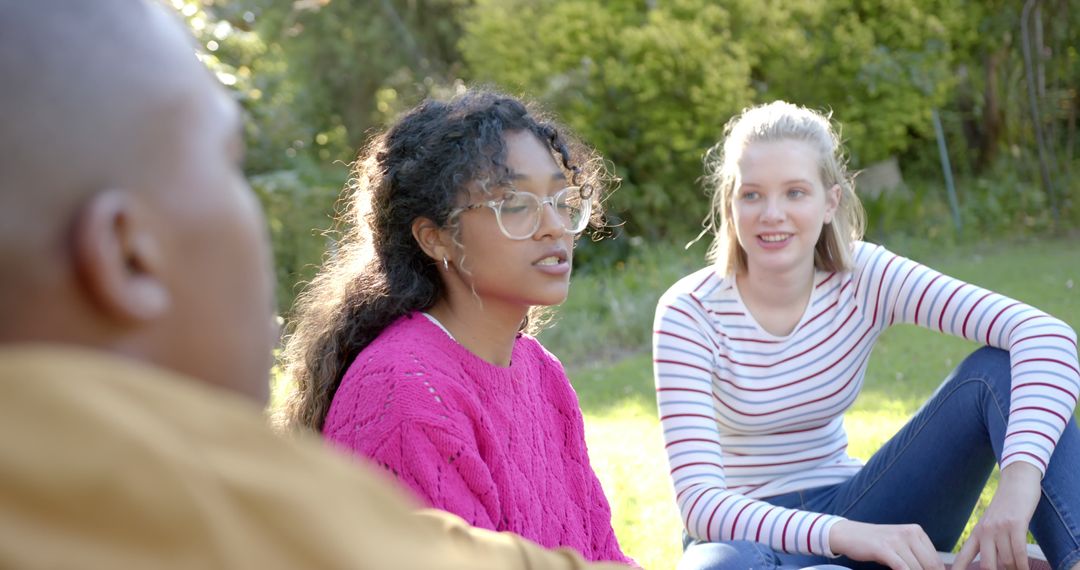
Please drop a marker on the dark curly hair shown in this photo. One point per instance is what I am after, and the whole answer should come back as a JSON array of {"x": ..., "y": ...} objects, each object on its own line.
[{"x": 420, "y": 167}]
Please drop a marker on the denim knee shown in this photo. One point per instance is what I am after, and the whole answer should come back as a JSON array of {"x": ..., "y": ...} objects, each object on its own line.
[
  {"x": 990, "y": 364},
  {"x": 731, "y": 555}
]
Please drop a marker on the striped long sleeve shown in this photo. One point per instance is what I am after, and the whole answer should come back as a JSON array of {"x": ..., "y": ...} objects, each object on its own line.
[
  {"x": 747, "y": 414},
  {"x": 1042, "y": 349}
]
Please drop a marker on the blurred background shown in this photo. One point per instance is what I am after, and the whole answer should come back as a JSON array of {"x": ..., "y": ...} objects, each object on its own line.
[{"x": 650, "y": 84}]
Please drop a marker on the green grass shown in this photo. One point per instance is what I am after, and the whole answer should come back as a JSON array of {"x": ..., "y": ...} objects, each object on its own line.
[{"x": 603, "y": 335}]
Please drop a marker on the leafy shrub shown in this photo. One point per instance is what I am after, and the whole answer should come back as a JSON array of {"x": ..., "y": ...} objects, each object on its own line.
[
  {"x": 651, "y": 84},
  {"x": 298, "y": 205}
]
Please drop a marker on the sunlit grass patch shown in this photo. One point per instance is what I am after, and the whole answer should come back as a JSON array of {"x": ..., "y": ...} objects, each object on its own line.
[{"x": 633, "y": 471}]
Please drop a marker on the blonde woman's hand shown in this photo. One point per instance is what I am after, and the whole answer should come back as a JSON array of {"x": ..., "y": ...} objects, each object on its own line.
[
  {"x": 900, "y": 547},
  {"x": 1000, "y": 536}
]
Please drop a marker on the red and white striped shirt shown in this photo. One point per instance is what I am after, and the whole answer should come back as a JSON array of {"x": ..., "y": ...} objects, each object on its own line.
[{"x": 748, "y": 415}]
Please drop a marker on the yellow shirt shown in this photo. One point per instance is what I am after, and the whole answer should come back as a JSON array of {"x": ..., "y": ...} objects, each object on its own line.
[{"x": 109, "y": 463}]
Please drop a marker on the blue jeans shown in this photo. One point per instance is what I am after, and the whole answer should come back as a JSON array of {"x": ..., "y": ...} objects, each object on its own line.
[{"x": 931, "y": 473}]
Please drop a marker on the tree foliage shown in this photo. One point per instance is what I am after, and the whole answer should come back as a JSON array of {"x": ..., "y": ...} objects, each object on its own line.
[{"x": 651, "y": 84}]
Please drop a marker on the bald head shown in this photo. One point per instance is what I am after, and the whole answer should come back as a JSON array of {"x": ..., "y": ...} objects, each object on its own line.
[
  {"x": 125, "y": 220},
  {"x": 85, "y": 87}
]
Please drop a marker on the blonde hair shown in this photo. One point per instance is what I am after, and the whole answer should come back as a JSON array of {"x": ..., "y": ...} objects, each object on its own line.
[{"x": 772, "y": 122}]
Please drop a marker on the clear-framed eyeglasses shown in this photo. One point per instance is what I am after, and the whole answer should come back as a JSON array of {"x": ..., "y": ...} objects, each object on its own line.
[{"x": 519, "y": 213}]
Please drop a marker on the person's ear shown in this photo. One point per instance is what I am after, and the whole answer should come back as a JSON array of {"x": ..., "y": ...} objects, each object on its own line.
[
  {"x": 433, "y": 240},
  {"x": 832, "y": 202},
  {"x": 118, "y": 258}
]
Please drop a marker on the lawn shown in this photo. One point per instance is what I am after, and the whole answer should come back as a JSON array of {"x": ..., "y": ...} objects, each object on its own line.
[{"x": 602, "y": 333}]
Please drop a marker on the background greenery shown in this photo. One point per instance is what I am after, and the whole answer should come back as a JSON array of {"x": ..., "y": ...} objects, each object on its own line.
[{"x": 650, "y": 83}]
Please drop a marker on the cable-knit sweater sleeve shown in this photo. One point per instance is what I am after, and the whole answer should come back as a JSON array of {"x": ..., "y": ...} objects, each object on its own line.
[
  {"x": 400, "y": 421},
  {"x": 562, "y": 393},
  {"x": 440, "y": 466}
]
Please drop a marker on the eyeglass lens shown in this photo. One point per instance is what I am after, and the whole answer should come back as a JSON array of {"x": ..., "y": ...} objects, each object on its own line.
[{"x": 519, "y": 212}]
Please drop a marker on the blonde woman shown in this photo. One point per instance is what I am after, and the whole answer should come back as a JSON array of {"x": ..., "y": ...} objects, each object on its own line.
[{"x": 758, "y": 355}]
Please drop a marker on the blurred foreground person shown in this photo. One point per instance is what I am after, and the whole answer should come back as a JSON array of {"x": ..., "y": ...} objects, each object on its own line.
[{"x": 136, "y": 328}]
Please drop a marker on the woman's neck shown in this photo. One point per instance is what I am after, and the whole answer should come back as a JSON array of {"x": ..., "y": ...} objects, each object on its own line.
[
  {"x": 485, "y": 329},
  {"x": 777, "y": 300},
  {"x": 777, "y": 288}
]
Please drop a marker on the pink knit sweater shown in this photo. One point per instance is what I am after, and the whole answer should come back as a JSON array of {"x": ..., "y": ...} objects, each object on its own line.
[{"x": 503, "y": 448}]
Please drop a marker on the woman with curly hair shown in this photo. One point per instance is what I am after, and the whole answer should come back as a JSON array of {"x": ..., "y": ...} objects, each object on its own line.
[{"x": 411, "y": 346}]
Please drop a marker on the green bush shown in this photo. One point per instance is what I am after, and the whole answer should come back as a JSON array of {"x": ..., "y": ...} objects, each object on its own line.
[
  {"x": 652, "y": 84},
  {"x": 649, "y": 88},
  {"x": 1007, "y": 200},
  {"x": 299, "y": 204}
]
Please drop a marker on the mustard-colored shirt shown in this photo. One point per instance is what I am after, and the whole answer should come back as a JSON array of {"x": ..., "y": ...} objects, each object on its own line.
[{"x": 109, "y": 463}]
